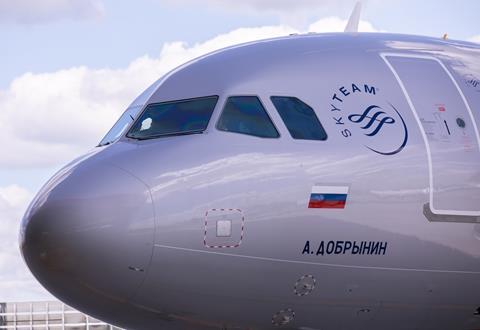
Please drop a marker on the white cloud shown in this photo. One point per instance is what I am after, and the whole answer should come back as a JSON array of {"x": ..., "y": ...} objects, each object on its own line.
[
  {"x": 475, "y": 39},
  {"x": 14, "y": 196},
  {"x": 47, "y": 119},
  {"x": 16, "y": 281},
  {"x": 335, "y": 24},
  {"x": 271, "y": 5},
  {"x": 296, "y": 13},
  {"x": 32, "y": 12},
  {"x": 51, "y": 117}
]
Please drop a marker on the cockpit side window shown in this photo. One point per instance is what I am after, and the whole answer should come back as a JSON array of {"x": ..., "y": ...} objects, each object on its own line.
[
  {"x": 300, "y": 119},
  {"x": 246, "y": 115},
  {"x": 120, "y": 126},
  {"x": 174, "y": 118}
]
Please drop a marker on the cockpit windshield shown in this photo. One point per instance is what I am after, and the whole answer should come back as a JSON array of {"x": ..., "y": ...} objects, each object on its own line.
[
  {"x": 121, "y": 125},
  {"x": 174, "y": 118}
]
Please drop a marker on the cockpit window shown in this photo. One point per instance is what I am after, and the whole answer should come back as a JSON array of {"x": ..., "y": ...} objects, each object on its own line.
[
  {"x": 246, "y": 115},
  {"x": 174, "y": 118},
  {"x": 121, "y": 125},
  {"x": 300, "y": 119}
]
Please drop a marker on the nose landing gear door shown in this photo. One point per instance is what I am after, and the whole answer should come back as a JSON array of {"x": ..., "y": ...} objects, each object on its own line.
[{"x": 450, "y": 134}]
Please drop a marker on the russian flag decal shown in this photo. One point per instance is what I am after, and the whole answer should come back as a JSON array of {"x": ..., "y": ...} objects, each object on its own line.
[{"x": 328, "y": 197}]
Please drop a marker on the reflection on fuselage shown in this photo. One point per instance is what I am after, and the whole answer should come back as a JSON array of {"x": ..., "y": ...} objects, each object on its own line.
[{"x": 203, "y": 221}]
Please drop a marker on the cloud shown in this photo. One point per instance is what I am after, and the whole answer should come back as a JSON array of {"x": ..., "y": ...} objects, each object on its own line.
[
  {"x": 335, "y": 24},
  {"x": 16, "y": 281},
  {"x": 270, "y": 5},
  {"x": 296, "y": 13},
  {"x": 47, "y": 119},
  {"x": 475, "y": 39},
  {"x": 35, "y": 12},
  {"x": 14, "y": 196}
]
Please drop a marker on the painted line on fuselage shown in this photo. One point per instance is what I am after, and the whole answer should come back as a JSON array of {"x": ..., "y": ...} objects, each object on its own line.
[{"x": 320, "y": 263}]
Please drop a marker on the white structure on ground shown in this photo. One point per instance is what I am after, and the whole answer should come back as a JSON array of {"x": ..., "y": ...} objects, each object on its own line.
[{"x": 46, "y": 315}]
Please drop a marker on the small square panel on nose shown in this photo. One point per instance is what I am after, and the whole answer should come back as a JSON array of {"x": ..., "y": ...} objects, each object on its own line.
[{"x": 224, "y": 228}]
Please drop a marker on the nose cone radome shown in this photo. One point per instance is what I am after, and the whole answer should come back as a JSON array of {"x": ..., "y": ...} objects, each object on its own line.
[{"x": 88, "y": 235}]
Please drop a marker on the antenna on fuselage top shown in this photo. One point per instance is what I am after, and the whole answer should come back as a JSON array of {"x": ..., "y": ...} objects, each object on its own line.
[{"x": 354, "y": 20}]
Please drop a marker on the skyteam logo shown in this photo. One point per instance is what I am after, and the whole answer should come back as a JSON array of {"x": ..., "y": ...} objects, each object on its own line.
[
  {"x": 374, "y": 118},
  {"x": 378, "y": 125}
]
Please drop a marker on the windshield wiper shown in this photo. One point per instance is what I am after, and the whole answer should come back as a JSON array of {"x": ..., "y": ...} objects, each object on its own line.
[
  {"x": 141, "y": 138},
  {"x": 104, "y": 144}
]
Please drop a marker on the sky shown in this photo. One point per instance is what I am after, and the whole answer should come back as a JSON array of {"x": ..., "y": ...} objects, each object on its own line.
[{"x": 69, "y": 68}]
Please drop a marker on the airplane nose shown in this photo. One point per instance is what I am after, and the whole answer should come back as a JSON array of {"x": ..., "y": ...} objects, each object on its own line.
[{"x": 88, "y": 235}]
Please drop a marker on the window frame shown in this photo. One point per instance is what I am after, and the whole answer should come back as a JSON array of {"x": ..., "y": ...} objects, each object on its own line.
[
  {"x": 156, "y": 136},
  {"x": 286, "y": 127},
  {"x": 241, "y": 133},
  {"x": 125, "y": 130}
]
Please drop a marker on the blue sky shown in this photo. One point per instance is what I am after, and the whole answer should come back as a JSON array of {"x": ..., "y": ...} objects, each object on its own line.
[
  {"x": 128, "y": 29},
  {"x": 70, "y": 67}
]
